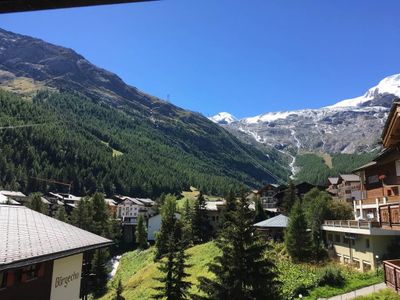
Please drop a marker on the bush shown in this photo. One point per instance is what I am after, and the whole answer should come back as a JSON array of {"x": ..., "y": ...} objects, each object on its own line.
[{"x": 331, "y": 276}]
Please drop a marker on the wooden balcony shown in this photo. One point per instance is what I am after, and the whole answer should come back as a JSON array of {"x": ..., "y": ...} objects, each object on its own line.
[
  {"x": 389, "y": 216},
  {"x": 351, "y": 224},
  {"x": 392, "y": 274}
]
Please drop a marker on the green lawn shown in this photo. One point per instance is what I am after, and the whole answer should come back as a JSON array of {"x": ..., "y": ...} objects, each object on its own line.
[
  {"x": 137, "y": 271},
  {"x": 385, "y": 294}
]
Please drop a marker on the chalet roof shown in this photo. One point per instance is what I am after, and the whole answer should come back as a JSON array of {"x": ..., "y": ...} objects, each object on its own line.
[
  {"x": 333, "y": 180},
  {"x": 390, "y": 132},
  {"x": 12, "y": 193},
  {"x": 6, "y": 200},
  {"x": 370, "y": 164},
  {"x": 110, "y": 202},
  {"x": 213, "y": 205},
  {"x": 279, "y": 221},
  {"x": 349, "y": 177},
  {"x": 29, "y": 237}
]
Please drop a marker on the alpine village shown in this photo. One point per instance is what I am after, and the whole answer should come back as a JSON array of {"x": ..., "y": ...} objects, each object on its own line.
[{"x": 108, "y": 192}]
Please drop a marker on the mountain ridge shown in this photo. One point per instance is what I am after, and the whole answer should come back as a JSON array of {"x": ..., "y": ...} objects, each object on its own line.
[{"x": 205, "y": 155}]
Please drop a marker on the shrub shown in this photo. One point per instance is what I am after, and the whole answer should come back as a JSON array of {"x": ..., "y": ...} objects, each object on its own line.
[{"x": 331, "y": 276}]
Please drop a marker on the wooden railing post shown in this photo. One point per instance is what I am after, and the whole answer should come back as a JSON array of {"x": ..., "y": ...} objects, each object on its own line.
[{"x": 390, "y": 215}]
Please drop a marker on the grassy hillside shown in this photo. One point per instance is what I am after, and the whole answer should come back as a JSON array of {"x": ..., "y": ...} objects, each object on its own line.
[
  {"x": 101, "y": 148},
  {"x": 315, "y": 169},
  {"x": 137, "y": 271}
]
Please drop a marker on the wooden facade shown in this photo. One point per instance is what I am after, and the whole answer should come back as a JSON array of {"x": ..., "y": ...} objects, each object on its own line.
[
  {"x": 392, "y": 274},
  {"x": 389, "y": 215}
]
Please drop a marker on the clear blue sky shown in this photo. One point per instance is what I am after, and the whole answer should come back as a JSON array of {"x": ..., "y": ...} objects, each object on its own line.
[{"x": 244, "y": 57}]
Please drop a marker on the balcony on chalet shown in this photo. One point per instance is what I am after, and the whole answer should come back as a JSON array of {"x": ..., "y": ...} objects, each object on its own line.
[
  {"x": 389, "y": 216},
  {"x": 392, "y": 274},
  {"x": 363, "y": 227},
  {"x": 351, "y": 224}
]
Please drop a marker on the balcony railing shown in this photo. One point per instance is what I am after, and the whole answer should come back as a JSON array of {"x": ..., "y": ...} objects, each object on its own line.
[
  {"x": 351, "y": 224},
  {"x": 389, "y": 215},
  {"x": 392, "y": 274}
]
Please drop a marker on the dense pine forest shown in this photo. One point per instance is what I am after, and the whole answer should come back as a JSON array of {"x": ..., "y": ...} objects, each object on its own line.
[
  {"x": 96, "y": 147},
  {"x": 314, "y": 169}
]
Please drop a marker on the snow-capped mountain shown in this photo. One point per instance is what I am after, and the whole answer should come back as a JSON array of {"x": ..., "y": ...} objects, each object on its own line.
[
  {"x": 349, "y": 126},
  {"x": 223, "y": 118}
]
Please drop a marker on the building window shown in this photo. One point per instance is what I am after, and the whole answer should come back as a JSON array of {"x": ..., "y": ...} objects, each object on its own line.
[
  {"x": 330, "y": 237},
  {"x": 3, "y": 280},
  {"x": 30, "y": 272},
  {"x": 367, "y": 243},
  {"x": 366, "y": 266},
  {"x": 356, "y": 263},
  {"x": 337, "y": 238},
  {"x": 397, "y": 167}
]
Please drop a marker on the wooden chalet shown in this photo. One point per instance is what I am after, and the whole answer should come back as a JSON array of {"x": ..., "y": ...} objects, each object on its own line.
[{"x": 381, "y": 183}]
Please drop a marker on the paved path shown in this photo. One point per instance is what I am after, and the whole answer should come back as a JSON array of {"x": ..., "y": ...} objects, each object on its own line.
[{"x": 360, "y": 292}]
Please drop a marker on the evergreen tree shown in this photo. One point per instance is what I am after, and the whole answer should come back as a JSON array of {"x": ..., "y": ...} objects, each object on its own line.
[
  {"x": 168, "y": 224},
  {"x": 99, "y": 268},
  {"x": 82, "y": 215},
  {"x": 61, "y": 215},
  {"x": 174, "y": 286},
  {"x": 100, "y": 219},
  {"x": 141, "y": 234},
  {"x": 297, "y": 237},
  {"x": 187, "y": 229},
  {"x": 36, "y": 203},
  {"x": 242, "y": 271},
  {"x": 260, "y": 214},
  {"x": 289, "y": 198},
  {"x": 316, "y": 202},
  {"x": 201, "y": 226}
]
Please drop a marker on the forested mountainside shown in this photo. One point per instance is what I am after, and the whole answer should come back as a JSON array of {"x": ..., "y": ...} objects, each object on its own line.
[
  {"x": 315, "y": 169},
  {"x": 101, "y": 148},
  {"x": 102, "y": 134}
]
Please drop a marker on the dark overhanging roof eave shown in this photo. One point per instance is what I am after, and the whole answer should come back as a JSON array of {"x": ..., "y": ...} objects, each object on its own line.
[
  {"x": 10, "y": 6},
  {"x": 52, "y": 256}
]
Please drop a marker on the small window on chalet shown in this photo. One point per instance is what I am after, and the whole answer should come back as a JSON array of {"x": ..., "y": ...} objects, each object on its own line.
[
  {"x": 30, "y": 272},
  {"x": 337, "y": 238},
  {"x": 397, "y": 167},
  {"x": 367, "y": 243},
  {"x": 330, "y": 239},
  {"x": 3, "y": 280}
]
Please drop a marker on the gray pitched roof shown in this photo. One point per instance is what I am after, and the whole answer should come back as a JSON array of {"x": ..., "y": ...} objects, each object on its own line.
[
  {"x": 279, "y": 221},
  {"x": 350, "y": 177},
  {"x": 29, "y": 237},
  {"x": 333, "y": 180}
]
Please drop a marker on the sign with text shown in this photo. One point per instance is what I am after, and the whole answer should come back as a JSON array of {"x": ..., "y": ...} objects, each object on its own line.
[{"x": 66, "y": 279}]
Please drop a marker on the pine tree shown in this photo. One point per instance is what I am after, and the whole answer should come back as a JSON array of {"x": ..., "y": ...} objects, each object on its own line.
[
  {"x": 82, "y": 215},
  {"x": 316, "y": 209},
  {"x": 99, "y": 268},
  {"x": 242, "y": 271},
  {"x": 141, "y": 234},
  {"x": 36, "y": 203},
  {"x": 61, "y": 215},
  {"x": 260, "y": 214},
  {"x": 168, "y": 222},
  {"x": 187, "y": 229},
  {"x": 289, "y": 198},
  {"x": 100, "y": 219},
  {"x": 201, "y": 226},
  {"x": 174, "y": 286},
  {"x": 297, "y": 237}
]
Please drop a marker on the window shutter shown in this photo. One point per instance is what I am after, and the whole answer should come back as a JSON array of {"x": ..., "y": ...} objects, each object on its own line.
[{"x": 10, "y": 278}]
